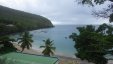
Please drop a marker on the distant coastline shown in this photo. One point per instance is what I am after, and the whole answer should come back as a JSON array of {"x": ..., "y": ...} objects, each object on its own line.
[{"x": 15, "y": 21}]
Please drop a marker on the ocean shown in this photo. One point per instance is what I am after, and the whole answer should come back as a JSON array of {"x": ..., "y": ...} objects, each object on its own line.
[{"x": 60, "y": 36}]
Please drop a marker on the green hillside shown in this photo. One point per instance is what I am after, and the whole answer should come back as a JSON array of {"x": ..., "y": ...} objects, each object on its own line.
[{"x": 12, "y": 21}]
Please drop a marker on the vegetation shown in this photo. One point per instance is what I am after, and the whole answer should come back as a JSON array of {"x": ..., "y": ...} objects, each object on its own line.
[
  {"x": 104, "y": 33},
  {"x": 93, "y": 43},
  {"x": 48, "y": 51},
  {"x": 6, "y": 45},
  {"x": 19, "y": 21},
  {"x": 105, "y": 12},
  {"x": 25, "y": 41}
]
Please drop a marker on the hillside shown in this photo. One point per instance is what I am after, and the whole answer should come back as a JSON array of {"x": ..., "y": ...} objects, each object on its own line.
[{"x": 12, "y": 21}]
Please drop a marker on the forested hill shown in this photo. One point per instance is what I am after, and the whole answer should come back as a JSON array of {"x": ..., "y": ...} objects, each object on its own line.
[{"x": 12, "y": 21}]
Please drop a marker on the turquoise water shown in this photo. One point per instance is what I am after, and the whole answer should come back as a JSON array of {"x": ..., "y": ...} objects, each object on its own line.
[{"x": 60, "y": 35}]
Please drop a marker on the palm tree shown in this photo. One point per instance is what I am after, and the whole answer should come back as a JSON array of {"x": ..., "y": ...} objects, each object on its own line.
[
  {"x": 48, "y": 51},
  {"x": 25, "y": 41}
]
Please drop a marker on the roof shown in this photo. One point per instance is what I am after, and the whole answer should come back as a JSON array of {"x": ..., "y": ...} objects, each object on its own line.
[{"x": 24, "y": 58}]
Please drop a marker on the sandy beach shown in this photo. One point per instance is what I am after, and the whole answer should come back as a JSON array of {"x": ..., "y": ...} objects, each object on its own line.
[{"x": 62, "y": 59}]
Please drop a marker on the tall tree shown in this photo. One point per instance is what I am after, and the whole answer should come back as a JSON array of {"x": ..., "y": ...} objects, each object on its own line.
[
  {"x": 25, "y": 41},
  {"x": 93, "y": 44},
  {"x": 48, "y": 51}
]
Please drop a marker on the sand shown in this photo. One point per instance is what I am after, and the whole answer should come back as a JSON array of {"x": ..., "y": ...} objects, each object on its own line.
[{"x": 62, "y": 59}]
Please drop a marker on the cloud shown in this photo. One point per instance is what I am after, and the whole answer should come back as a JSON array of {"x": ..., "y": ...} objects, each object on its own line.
[{"x": 58, "y": 11}]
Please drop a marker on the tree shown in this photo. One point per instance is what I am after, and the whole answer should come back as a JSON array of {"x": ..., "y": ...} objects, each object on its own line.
[
  {"x": 48, "y": 51},
  {"x": 25, "y": 41},
  {"x": 6, "y": 45},
  {"x": 105, "y": 12},
  {"x": 93, "y": 44}
]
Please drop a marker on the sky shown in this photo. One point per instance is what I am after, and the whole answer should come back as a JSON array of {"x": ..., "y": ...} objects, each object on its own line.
[{"x": 58, "y": 11}]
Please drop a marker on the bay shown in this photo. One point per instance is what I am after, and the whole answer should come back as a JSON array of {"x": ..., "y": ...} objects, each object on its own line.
[{"x": 60, "y": 35}]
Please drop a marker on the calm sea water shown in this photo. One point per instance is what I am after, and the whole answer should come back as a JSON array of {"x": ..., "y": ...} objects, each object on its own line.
[{"x": 60, "y": 35}]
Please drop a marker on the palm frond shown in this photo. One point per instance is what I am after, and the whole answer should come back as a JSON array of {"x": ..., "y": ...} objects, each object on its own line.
[
  {"x": 42, "y": 46},
  {"x": 53, "y": 48},
  {"x": 30, "y": 45}
]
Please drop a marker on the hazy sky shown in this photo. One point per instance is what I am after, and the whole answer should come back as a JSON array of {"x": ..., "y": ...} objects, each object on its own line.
[{"x": 58, "y": 11}]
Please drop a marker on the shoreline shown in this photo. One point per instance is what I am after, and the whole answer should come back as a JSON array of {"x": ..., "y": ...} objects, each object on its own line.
[
  {"x": 39, "y": 52},
  {"x": 62, "y": 59}
]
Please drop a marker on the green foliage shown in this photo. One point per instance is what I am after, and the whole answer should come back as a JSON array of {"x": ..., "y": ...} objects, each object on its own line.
[
  {"x": 48, "y": 51},
  {"x": 25, "y": 41},
  {"x": 20, "y": 21},
  {"x": 6, "y": 45},
  {"x": 93, "y": 44}
]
